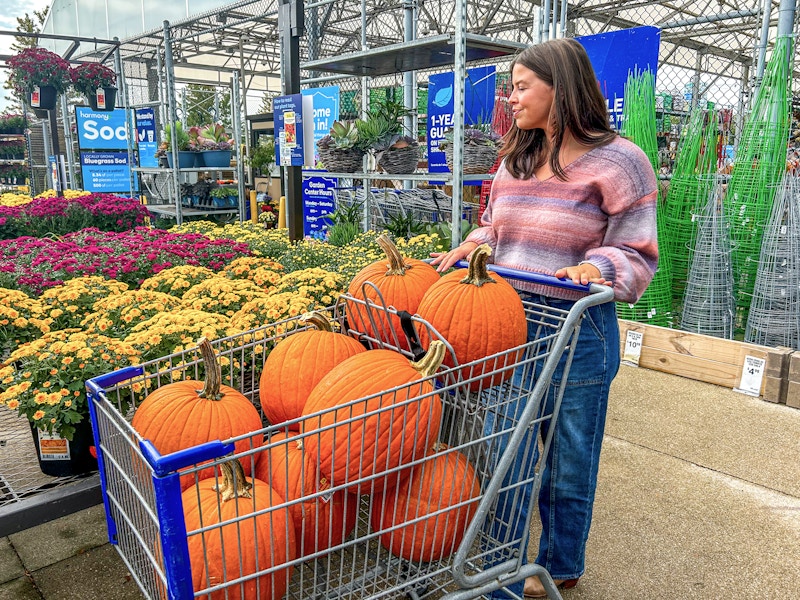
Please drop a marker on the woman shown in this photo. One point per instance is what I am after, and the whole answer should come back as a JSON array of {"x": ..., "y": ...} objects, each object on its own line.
[{"x": 574, "y": 200}]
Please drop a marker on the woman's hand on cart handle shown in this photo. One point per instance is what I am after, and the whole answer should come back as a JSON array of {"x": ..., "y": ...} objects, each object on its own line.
[
  {"x": 582, "y": 274},
  {"x": 445, "y": 260}
]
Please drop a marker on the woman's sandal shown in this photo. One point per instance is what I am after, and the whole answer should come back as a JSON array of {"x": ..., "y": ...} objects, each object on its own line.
[{"x": 562, "y": 584}]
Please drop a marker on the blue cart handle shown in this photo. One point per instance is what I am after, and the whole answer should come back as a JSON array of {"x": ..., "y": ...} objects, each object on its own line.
[{"x": 533, "y": 277}]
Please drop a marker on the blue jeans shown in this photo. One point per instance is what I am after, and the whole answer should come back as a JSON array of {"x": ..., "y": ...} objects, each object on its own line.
[{"x": 569, "y": 476}]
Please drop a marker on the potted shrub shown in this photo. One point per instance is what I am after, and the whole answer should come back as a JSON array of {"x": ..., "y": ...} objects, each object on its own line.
[
  {"x": 98, "y": 83},
  {"x": 39, "y": 75},
  {"x": 382, "y": 132},
  {"x": 215, "y": 146},
  {"x": 481, "y": 146},
  {"x": 340, "y": 150},
  {"x": 180, "y": 137}
]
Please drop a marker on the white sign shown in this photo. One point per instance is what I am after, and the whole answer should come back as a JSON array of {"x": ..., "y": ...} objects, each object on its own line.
[
  {"x": 633, "y": 348},
  {"x": 752, "y": 374}
]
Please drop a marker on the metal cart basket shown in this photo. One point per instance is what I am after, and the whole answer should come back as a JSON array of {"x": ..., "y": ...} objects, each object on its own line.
[{"x": 142, "y": 489}]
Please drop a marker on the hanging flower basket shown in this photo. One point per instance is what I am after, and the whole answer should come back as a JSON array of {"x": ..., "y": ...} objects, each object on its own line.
[
  {"x": 98, "y": 83},
  {"x": 39, "y": 75},
  {"x": 104, "y": 99}
]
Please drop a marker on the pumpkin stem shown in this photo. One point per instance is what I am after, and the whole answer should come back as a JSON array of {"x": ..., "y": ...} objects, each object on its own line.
[
  {"x": 317, "y": 319},
  {"x": 397, "y": 265},
  {"x": 213, "y": 379},
  {"x": 478, "y": 274},
  {"x": 234, "y": 485},
  {"x": 433, "y": 358}
]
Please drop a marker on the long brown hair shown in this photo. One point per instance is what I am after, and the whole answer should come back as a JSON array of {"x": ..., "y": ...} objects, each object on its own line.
[{"x": 578, "y": 106}]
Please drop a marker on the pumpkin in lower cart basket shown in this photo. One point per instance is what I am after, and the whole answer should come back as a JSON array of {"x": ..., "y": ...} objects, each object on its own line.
[
  {"x": 437, "y": 500},
  {"x": 296, "y": 365},
  {"x": 480, "y": 314},
  {"x": 237, "y": 541},
  {"x": 320, "y": 521},
  {"x": 184, "y": 414},
  {"x": 401, "y": 281},
  {"x": 353, "y": 439}
]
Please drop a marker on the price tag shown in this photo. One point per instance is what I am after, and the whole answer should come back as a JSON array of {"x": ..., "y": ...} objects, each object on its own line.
[
  {"x": 633, "y": 348},
  {"x": 100, "y": 94},
  {"x": 752, "y": 374}
]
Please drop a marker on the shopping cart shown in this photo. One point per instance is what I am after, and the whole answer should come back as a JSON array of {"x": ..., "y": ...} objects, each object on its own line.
[{"x": 142, "y": 489}]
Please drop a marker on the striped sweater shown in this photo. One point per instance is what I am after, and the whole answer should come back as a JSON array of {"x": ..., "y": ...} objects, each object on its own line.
[{"x": 605, "y": 214}]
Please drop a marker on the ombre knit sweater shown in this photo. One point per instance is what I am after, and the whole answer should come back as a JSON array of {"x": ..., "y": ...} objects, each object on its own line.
[{"x": 605, "y": 214}]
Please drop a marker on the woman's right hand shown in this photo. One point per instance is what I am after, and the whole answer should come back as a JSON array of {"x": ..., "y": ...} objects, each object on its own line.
[{"x": 445, "y": 260}]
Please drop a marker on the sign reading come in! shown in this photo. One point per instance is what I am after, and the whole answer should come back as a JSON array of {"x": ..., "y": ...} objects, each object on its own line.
[{"x": 103, "y": 145}]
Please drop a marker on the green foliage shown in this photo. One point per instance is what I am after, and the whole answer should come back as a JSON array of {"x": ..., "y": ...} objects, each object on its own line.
[
  {"x": 262, "y": 156},
  {"x": 344, "y": 134},
  {"x": 405, "y": 225},
  {"x": 382, "y": 126},
  {"x": 177, "y": 131},
  {"x": 26, "y": 24},
  {"x": 444, "y": 231},
  {"x": 345, "y": 224},
  {"x": 342, "y": 234}
]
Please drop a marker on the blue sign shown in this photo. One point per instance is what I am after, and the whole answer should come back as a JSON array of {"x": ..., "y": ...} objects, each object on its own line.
[
  {"x": 479, "y": 95},
  {"x": 326, "y": 111},
  {"x": 146, "y": 137},
  {"x": 288, "y": 112},
  {"x": 105, "y": 171},
  {"x": 616, "y": 54},
  {"x": 101, "y": 130},
  {"x": 319, "y": 199}
]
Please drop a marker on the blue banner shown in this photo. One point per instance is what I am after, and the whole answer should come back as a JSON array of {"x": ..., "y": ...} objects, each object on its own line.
[
  {"x": 105, "y": 171},
  {"x": 318, "y": 199},
  {"x": 101, "y": 130},
  {"x": 288, "y": 113},
  {"x": 478, "y": 108},
  {"x": 326, "y": 111},
  {"x": 146, "y": 137},
  {"x": 616, "y": 54}
]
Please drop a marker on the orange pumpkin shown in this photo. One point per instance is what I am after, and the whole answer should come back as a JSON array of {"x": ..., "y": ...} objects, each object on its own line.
[
  {"x": 296, "y": 365},
  {"x": 184, "y": 414},
  {"x": 401, "y": 281},
  {"x": 480, "y": 314},
  {"x": 437, "y": 501},
  {"x": 248, "y": 544},
  {"x": 320, "y": 521},
  {"x": 379, "y": 433}
]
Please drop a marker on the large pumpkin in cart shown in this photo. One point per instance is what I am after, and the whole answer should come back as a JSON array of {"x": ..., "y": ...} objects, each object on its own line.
[
  {"x": 296, "y": 365},
  {"x": 323, "y": 518},
  {"x": 184, "y": 414},
  {"x": 248, "y": 529},
  {"x": 436, "y": 501},
  {"x": 372, "y": 414},
  {"x": 479, "y": 314},
  {"x": 400, "y": 282}
]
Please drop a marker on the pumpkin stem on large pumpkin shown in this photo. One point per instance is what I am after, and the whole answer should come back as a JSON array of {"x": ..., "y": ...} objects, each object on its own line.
[
  {"x": 478, "y": 274},
  {"x": 234, "y": 485},
  {"x": 213, "y": 379},
  {"x": 397, "y": 265},
  {"x": 433, "y": 358},
  {"x": 317, "y": 319}
]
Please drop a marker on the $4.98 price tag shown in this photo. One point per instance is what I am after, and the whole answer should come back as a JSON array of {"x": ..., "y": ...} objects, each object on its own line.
[{"x": 752, "y": 374}]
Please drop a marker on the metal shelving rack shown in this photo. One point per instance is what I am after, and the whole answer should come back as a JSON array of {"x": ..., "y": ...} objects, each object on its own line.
[{"x": 454, "y": 49}]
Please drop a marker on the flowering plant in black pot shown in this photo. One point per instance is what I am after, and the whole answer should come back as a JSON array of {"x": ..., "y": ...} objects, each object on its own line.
[
  {"x": 88, "y": 78},
  {"x": 40, "y": 75}
]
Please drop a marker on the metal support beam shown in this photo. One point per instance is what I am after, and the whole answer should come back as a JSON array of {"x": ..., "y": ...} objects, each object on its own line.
[{"x": 291, "y": 27}]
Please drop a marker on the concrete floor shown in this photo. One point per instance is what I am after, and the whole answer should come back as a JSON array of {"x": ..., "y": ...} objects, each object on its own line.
[{"x": 698, "y": 499}]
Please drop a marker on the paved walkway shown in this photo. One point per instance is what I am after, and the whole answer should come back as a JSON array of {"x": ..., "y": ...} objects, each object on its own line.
[{"x": 699, "y": 499}]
